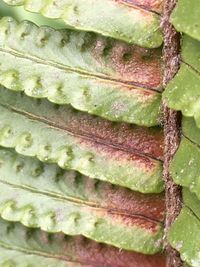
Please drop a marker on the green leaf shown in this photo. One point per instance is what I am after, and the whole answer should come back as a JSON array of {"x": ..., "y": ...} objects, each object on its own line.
[
  {"x": 92, "y": 73},
  {"x": 187, "y": 222},
  {"x": 190, "y": 130},
  {"x": 31, "y": 244},
  {"x": 110, "y": 18},
  {"x": 190, "y": 52},
  {"x": 185, "y": 164},
  {"x": 41, "y": 129},
  {"x": 191, "y": 201},
  {"x": 184, "y": 237},
  {"x": 20, "y": 14},
  {"x": 56, "y": 210},
  {"x": 182, "y": 93},
  {"x": 73, "y": 187},
  {"x": 185, "y": 17}
]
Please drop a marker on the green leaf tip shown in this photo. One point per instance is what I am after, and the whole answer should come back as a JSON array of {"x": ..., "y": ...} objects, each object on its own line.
[
  {"x": 110, "y": 18},
  {"x": 185, "y": 164},
  {"x": 185, "y": 17},
  {"x": 184, "y": 237},
  {"x": 94, "y": 74},
  {"x": 182, "y": 93},
  {"x": 184, "y": 233}
]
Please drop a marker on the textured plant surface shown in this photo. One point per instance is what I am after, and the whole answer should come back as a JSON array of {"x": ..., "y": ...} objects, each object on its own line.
[
  {"x": 82, "y": 152},
  {"x": 62, "y": 202},
  {"x": 30, "y": 246},
  {"x": 187, "y": 22},
  {"x": 182, "y": 94},
  {"x": 22, "y": 119},
  {"x": 19, "y": 13},
  {"x": 119, "y": 19},
  {"x": 184, "y": 167},
  {"x": 184, "y": 235},
  {"x": 92, "y": 73}
]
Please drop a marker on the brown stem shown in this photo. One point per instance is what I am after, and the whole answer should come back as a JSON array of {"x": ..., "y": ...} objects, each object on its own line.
[{"x": 171, "y": 122}]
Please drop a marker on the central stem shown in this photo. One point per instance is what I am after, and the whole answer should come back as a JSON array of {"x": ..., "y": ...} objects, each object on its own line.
[{"x": 172, "y": 124}]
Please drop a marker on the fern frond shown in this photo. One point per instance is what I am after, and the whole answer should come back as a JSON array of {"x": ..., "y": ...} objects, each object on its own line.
[
  {"x": 31, "y": 174},
  {"x": 184, "y": 237},
  {"x": 30, "y": 243},
  {"x": 184, "y": 234},
  {"x": 20, "y": 14},
  {"x": 185, "y": 165},
  {"x": 92, "y": 73},
  {"x": 187, "y": 22},
  {"x": 110, "y": 18},
  {"x": 38, "y": 129},
  {"x": 182, "y": 93},
  {"x": 71, "y": 213}
]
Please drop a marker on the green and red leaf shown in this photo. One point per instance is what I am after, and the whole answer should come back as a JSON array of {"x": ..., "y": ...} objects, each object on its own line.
[
  {"x": 68, "y": 202},
  {"x": 23, "y": 245},
  {"x": 95, "y": 74},
  {"x": 88, "y": 150},
  {"x": 117, "y": 19}
]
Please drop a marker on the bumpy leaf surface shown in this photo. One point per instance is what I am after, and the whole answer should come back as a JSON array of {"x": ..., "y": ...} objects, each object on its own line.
[
  {"x": 72, "y": 186},
  {"x": 92, "y": 73},
  {"x": 31, "y": 244},
  {"x": 185, "y": 17},
  {"x": 185, "y": 165},
  {"x": 59, "y": 134},
  {"x": 118, "y": 19},
  {"x": 184, "y": 234},
  {"x": 58, "y": 205},
  {"x": 20, "y": 14},
  {"x": 182, "y": 92}
]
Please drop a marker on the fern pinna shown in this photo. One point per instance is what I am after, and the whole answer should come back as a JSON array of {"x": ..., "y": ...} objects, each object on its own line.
[{"x": 91, "y": 134}]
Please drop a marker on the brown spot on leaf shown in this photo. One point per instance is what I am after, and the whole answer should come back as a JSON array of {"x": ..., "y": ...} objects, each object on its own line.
[
  {"x": 127, "y": 137},
  {"x": 99, "y": 255},
  {"x": 130, "y": 64}
]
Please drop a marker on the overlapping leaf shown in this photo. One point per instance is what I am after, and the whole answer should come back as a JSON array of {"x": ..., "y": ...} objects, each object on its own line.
[
  {"x": 185, "y": 17},
  {"x": 182, "y": 93},
  {"x": 190, "y": 52},
  {"x": 21, "y": 14},
  {"x": 61, "y": 135},
  {"x": 185, "y": 165},
  {"x": 92, "y": 73},
  {"x": 16, "y": 239},
  {"x": 59, "y": 206},
  {"x": 184, "y": 234},
  {"x": 117, "y": 19},
  {"x": 184, "y": 237},
  {"x": 49, "y": 179}
]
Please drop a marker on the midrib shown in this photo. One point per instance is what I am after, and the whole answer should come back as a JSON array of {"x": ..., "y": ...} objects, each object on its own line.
[
  {"x": 101, "y": 77},
  {"x": 80, "y": 203},
  {"x": 89, "y": 137}
]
